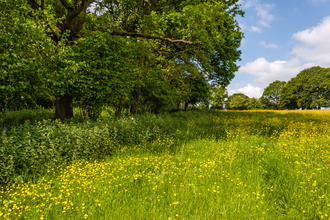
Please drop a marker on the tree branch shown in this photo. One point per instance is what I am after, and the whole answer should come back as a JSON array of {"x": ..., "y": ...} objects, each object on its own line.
[
  {"x": 66, "y": 5},
  {"x": 171, "y": 54},
  {"x": 79, "y": 8},
  {"x": 146, "y": 36},
  {"x": 52, "y": 33},
  {"x": 34, "y": 4}
]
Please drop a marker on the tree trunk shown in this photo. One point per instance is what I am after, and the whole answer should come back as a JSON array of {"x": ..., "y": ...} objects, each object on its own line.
[
  {"x": 178, "y": 106},
  {"x": 186, "y": 106},
  {"x": 63, "y": 107},
  {"x": 119, "y": 108},
  {"x": 134, "y": 108}
]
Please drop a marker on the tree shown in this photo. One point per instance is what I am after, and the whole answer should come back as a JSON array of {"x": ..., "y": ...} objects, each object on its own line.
[
  {"x": 239, "y": 103},
  {"x": 218, "y": 96},
  {"x": 104, "y": 77},
  {"x": 309, "y": 89},
  {"x": 199, "y": 90},
  {"x": 288, "y": 98},
  {"x": 231, "y": 98},
  {"x": 23, "y": 46},
  {"x": 253, "y": 104},
  {"x": 201, "y": 32},
  {"x": 271, "y": 95}
]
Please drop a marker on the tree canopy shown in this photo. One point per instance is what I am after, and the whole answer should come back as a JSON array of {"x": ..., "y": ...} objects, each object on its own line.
[
  {"x": 231, "y": 98},
  {"x": 309, "y": 89},
  {"x": 271, "y": 95},
  {"x": 218, "y": 96},
  {"x": 92, "y": 53}
]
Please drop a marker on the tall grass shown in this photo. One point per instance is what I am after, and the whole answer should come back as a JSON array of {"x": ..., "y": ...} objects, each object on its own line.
[{"x": 206, "y": 165}]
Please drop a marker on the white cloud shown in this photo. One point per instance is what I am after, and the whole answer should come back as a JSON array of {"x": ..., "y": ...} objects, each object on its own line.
[
  {"x": 250, "y": 3},
  {"x": 268, "y": 45},
  {"x": 249, "y": 90},
  {"x": 262, "y": 11},
  {"x": 255, "y": 29},
  {"x": 314, "y": 44},
  {"x": 267, "y": 72}
]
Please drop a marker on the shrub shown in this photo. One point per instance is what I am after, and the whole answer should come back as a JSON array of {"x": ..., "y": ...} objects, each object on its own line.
[{"x": 26, "y": 148}]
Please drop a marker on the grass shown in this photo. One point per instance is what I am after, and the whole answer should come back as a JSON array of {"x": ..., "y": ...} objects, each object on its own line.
[{"x": 220, "y": 165}]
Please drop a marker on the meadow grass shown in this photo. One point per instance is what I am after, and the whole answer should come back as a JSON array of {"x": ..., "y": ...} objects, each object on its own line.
[{"x": 226, "y": 165}]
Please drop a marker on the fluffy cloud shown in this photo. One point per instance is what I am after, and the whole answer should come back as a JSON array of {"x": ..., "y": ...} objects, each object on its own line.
[
  {"x": 314, "y": 44},
  {"x": 263, "y": 13},
  {"x": 268, "y": 45},
  {"x": 249, "y": 90},
  {"x": 267, "y": 72},
  {"x": 312, "y": 49}
]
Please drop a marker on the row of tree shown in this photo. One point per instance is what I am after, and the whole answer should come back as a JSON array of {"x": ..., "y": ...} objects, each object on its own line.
[
  {"x": 127, "y": 54},
  {"x": 310, "y": 89},
  {"x": 237, "y": 101}
]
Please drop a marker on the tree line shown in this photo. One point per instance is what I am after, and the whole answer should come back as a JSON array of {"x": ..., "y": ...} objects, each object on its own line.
[
  {"x": 133, "y": 55},
  {"x": 310, "y": 89}
]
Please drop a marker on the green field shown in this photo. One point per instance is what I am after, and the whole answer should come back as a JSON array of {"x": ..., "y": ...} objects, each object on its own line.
[{"x": 200, "y": 165}]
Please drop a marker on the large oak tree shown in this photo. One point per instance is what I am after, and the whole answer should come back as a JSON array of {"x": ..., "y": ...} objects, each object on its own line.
[{"x": 203, "y": 33}]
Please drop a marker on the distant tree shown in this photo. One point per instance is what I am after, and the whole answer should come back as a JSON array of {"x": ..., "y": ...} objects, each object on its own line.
[
  {"x": 231, "y": 97},
  {"x": 239, "y": 103},
  {"x": 200, "y": 91},
  {"x": 309, "y": 89},
  {"x": 218, "y": 95},
  {"x": 288, "y": 95},
  {"x": 253, "y": 104},
  {"x": 270, "y": 98}
]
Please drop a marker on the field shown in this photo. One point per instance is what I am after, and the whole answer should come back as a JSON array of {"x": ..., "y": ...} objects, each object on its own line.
[{"x": 194, "y": 165}]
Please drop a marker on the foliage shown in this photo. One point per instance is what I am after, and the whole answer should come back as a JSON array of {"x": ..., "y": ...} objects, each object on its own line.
[
  {"x": 50, "y": 144},
  {"x": 242, "y": 101},
  {"x": 309, "y": 89},
  {"x": 199, "y": 89},
  {"x": 238, "y": 103},
  {"x": 23, "y": 52},
  {"x": 103, "y": 77},
  {"x": 218, "y": 96},
  {"x": 253, "y": 104},
  {"x": 271, "y": 95},
  {"x": 11, "y": 119},
  {"x": 93, "y": 54}
]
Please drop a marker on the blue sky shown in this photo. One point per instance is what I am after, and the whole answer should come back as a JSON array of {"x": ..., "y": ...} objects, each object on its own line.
[{"x": 281, "y": 39}]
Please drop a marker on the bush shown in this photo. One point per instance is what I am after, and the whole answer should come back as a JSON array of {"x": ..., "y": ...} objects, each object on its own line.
[{"x": 49, "y": 144}]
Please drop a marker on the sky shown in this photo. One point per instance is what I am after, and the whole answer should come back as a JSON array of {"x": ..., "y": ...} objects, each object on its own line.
[{"x": 281, "y": 38}]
